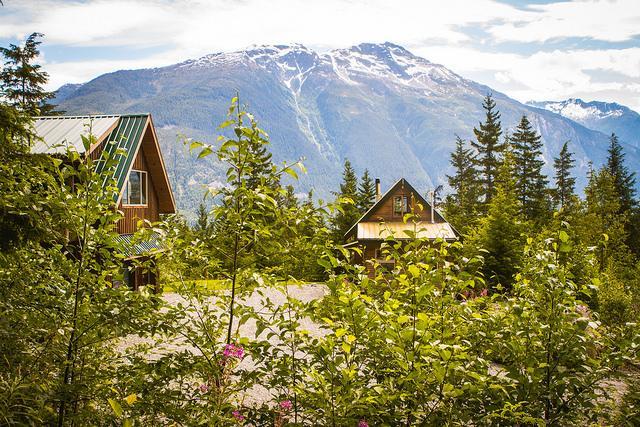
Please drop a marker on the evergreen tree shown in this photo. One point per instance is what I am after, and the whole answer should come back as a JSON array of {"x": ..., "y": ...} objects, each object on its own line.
[
  {"x": 203, "y": 225},
  {"x": 624, "y": 180},
  {"x": 22, "y": 81},
  {"x": 366, "y": 196},
  {"x": 348, "y": 212},
  {"x": 501, "y": 231},
  {"x": 565, "y": 182},
  {"x": 489, "y": 148},
  {"x": 531, "y": 184},
  {"x": 603, "y": 217},
  {"x": 461, "y": 205}
]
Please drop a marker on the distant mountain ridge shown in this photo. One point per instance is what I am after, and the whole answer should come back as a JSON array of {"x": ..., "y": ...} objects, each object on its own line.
[
  {"x": 379, "y": 105},
  {"x": 605, "y": 117}
]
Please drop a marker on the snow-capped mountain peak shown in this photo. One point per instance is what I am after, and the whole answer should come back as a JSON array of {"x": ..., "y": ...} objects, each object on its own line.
[
  {"x": 606, "y": 117},
  {"x": 579, "y": 110}
]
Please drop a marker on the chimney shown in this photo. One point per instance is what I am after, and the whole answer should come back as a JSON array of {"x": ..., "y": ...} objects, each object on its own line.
[
  {"x": 377, "y": 189},
  {"x": 433, "y": 203}
]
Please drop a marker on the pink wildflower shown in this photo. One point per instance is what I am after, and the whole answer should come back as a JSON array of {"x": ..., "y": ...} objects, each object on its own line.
[
  {"x": 484, "y": 292},
  {"x": 232, "y": 350},
  {"x": 286, "y": 405},
  {"x": 363, "y": 423},
  {"x": 237, "y": 415},
  {"x": 204, "y": 388}
]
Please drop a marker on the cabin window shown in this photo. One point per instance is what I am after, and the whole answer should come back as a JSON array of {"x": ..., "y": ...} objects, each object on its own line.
[
  {"x": 135, "y": 191},
  {"x": 400, "y": 205}
]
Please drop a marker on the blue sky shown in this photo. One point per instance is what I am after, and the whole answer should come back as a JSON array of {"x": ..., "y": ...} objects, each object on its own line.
[{"x": 531, "y": 50}]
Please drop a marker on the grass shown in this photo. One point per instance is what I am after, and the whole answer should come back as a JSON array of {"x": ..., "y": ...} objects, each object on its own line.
[{"x": 211, "y": 285}]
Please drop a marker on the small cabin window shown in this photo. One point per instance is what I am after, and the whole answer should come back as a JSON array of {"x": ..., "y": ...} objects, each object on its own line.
[
  {"x": 135, "y": 190},
  {"x": 400, "y": 205}
]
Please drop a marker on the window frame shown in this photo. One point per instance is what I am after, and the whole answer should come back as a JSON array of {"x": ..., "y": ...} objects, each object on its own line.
[
  {"x": 144, "y": 189},
  {"x": 404, "y": 205}
]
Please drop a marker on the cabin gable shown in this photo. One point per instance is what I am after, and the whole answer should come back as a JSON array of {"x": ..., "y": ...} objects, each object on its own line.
[
  {"x": 399, "y": 200},
  {"x": 150, "y": 210}
]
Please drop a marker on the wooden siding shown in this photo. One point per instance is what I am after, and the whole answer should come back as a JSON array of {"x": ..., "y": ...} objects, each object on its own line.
[
  {"x": 384, "y": 212},
  {"x": 133, "y": 214}
]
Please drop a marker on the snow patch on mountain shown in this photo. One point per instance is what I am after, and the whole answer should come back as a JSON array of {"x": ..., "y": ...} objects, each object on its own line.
[{"x": 580, "y": 111}]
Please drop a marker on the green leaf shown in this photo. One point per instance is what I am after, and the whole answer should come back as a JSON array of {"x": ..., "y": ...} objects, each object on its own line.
[
  {"x": 403, "y": 319},
  {"x": 205, "y": 152},
  {"x": 415, "y": 271},
  {"x": 291, "y": 172},
  {"x": 194, "y": 145},
  {"x": 564, "y": 237},
  {"x": 226, "y": 123},
  {"x": 117, "y": 409}
]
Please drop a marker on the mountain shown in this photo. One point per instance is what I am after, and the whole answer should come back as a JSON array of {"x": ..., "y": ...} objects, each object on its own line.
[
  {"x": 605, "y": 117},
  {"x": 379, "y": 105}
]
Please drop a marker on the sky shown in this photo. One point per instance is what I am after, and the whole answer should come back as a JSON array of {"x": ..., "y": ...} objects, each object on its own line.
[{"x": 530, "y": 50}]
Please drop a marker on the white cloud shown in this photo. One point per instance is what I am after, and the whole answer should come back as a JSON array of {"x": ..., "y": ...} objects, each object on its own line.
[
  {"x": 615, "y": 21},
  {"x": 549, "y": 75},
  {"x": 200, "y": 26},
  {"x": 183, "y": 29}
]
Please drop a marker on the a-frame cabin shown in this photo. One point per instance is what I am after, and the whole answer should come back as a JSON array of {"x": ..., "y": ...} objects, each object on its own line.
[
  {"x": 385, "y": 219},
  {"x": 144, "y": 191}
]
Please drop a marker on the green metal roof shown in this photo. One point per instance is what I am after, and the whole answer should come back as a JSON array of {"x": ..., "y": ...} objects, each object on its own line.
[
  {"x": 131, "y": 248},
  {"x": 127, "y": 135}
]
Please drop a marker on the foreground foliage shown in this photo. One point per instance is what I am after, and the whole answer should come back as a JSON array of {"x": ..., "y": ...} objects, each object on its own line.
[{"x": 428, "y": 343}]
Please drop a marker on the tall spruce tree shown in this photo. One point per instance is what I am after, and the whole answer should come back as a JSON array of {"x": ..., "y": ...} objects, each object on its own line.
[
  {"x": 348, "y": 212},
  {"x": 603, "y": 216},
  {"x": 565, "y": 182},
  {"x": 462, "y": 203},
  {"x": 624, "y": 182},
  {"x": 366, "y": 196},
  {"x": 531, "y": 184},
  {"x": 501, "y": 231},
  {"x": 22, "y": 81},
  {"x": 489, "y": 148}
]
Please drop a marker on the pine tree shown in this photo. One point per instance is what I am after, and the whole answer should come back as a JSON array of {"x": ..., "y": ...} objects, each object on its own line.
[
  {"x": 461, "y": 204},
  {"x": 624, "y": 180},
  {"x": 500, "y": 232},
  {"x": 366, "y": 196},
  {"x": 531, "y": 184},
  {"x": 22, "y": 81},
  {"x": 565, "y": 182},
  {"x": 203, "y": 224},
  {"x": 603, "y": 217},
  {"x": 348, "y": 213},
  {"x": 489, "y": 148},
  {"x": 262, "y": 167}
]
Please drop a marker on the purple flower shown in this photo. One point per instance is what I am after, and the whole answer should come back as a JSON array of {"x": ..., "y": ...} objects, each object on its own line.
[
  {"x": 286, "y": 405},
  {"x": 237, "y": 415},
  {"x": 232, "y": 350},
  {"x": 204, "y": 388},
  {"x": 363, "y": 423}
]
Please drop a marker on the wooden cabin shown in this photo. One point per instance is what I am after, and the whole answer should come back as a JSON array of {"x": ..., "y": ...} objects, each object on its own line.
[
  {"x": 385, "y": 219},
  {"x": 144, "y": 192}
]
